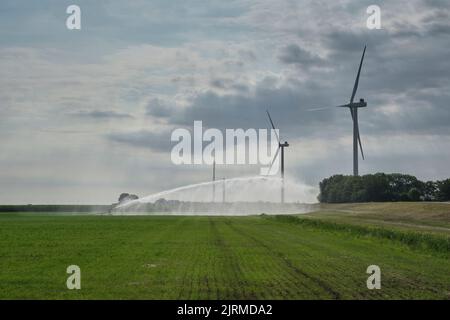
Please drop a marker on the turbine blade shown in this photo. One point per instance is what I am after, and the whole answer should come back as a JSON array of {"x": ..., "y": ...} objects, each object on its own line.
[
  {"x": 323, "y": 108},
  {"x": 355, "y": 87},
  {"x": 360, "y": 144},
  {"x": 317, "y": 109},
  {"x": 357, "y": 133},
  {"x": 273, "y": 160},
  {"x": 273, "y": 126},
  {"x": 270, "y": 119}
]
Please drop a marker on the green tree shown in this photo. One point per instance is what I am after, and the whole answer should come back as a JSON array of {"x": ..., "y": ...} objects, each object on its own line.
[
  {"x": 430, "y": 192},
  {"x": 414, "y": 194},
  {"x": 378, "y": 187},
  {"x": 443, "y": 193}
]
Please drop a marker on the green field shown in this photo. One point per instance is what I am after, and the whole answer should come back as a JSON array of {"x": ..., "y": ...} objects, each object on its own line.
[{"x": 322, "y": 255}]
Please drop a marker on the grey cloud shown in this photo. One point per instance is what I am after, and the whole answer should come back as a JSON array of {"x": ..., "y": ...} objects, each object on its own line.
[
  {"x": 248, "y": 55},
  {"x": 157, "y": 141},
  {"x": 240, "y": 87},
  {"x": 293, "y": 54},
  {"x": 234, "y": 64},
  {"x": 220, "y": 83},
  {"x": 392, "y": 75},
  {"x": 100, "y": 114},
  {"x": 352, "y": 42},
  {"x": 439, "y": 28},
  {"x": 248, "y": 110},
  {"x": 420, "y": 113},
  {"x": 229, "y": 84},
  {"x": 158, "y": 108}
]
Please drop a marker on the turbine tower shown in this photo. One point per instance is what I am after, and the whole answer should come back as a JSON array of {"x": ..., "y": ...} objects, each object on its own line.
[
  {"x": 280, "y": 146},
  {"x": 353, "y": 107},
  {"x": 223, "y": 190},
  {"x": 214, "y": 180}
]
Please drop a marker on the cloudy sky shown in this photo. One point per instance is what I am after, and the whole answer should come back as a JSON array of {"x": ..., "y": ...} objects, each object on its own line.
[{"x": 87, "y": 114}]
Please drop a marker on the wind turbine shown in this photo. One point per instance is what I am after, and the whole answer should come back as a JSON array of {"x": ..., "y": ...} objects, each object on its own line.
[
  {"x": 353, "y": 107},
  {"x": 281, "y": 147}
]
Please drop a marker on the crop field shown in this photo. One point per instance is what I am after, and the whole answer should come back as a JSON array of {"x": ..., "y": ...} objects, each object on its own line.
[
  {"x": 414, "y": 216},
  {"x": 321, "y": 255}
]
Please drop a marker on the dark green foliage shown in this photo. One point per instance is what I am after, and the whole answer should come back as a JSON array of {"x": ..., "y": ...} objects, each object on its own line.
[
  {"x": 381, "y": 187},
  {"x": 443, "y": 192},
  {"x": 414, "y": 194},
  {"x": 400, "y": 186},
  {"x": 430, "y": 190},
  {"x": 55, "y": 208}
]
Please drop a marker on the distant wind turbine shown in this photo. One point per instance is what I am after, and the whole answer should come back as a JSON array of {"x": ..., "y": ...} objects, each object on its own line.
[
  {"x": 353, "y": 107},
  {"x": 280, "y": 146}
]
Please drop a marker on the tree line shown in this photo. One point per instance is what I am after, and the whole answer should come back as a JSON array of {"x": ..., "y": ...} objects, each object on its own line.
[{"x": 382, "y": 187}]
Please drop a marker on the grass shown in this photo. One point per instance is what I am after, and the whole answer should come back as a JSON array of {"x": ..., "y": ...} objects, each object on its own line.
[
  {"x": 416, "y": 216},
  {"x": 318, "y": 256},
  {"x": 415, "y": 240}
]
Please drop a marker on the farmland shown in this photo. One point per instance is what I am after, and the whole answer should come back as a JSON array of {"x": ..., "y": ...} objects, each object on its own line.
[{"x": 321, "y": 255}]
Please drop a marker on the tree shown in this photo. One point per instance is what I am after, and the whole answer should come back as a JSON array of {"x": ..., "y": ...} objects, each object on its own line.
[
  {"x": 414, "y": 194},
  {"x": 379, "y": 187},
  {"x": 376, "y": 187},
  {"x": 400, "y": 184},
  {"x": 443, "y": 193},
  {"x": 123, "y": 196},
  {"x": 127, "y": 197},
  {"x": 430, "y": 191}
]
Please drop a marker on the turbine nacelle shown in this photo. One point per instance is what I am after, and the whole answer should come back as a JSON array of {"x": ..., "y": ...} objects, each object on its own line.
[{"x": 360, "y": 104}]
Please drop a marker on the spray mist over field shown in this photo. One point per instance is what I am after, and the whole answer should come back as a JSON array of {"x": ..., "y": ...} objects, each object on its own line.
[{"x": 236, "y": 196}]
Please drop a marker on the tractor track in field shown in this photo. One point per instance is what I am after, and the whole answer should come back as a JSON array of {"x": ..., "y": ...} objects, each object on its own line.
[
  {"x": 235, "y": 267},
  {"x": 189, "y": 278},
  {"x": 185, "y": 289},
  {"x": 289, "y": 264}
]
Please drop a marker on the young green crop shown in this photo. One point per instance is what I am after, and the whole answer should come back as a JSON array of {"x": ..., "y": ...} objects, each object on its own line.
[{"x": 163, "y": 257}]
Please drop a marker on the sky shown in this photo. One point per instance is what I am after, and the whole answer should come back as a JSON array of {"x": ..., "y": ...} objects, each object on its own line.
[{"x": 87, "y": 114}]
